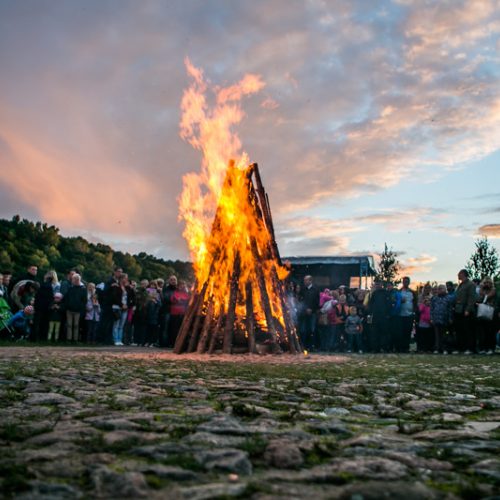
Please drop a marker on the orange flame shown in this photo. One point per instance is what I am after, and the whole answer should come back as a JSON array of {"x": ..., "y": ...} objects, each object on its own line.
[
  {"x": 221, "y": 225},
  {"x": 209, "y": 130}
]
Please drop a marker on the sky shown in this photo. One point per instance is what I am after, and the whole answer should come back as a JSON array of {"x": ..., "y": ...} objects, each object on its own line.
[{"x": 379, "y": 122}]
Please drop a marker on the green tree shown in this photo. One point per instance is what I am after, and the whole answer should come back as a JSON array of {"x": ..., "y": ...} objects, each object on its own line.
[
  {"x": 484, "y": 261},
  {"x": 25, "y": 242},
  {"x": 388, "y": 266}
]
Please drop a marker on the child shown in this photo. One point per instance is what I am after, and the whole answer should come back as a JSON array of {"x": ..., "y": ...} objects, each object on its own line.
[
  {"x": 441, "y": 317},
  {"x": 21, "y": 322},
  {"x": 424, "y": 330},
  {"x": 354, "y": 329},
  {"x": 55, "y": 315},
  {"x": 92, "y": 313},
  {"x": 153, "y": 314},
  {"x": 341, "y": 314}
]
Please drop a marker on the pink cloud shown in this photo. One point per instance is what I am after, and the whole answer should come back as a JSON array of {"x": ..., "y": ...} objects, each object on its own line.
[{"x": 490, "y": 230}]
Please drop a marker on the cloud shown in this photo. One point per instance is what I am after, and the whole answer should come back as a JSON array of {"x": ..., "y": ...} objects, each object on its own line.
[
  {"x": 490, "y": 230},
  {"x": 297, "y": 235},
  {"x": 418, "y": 265},
  {"x": 355, "y": 100}
]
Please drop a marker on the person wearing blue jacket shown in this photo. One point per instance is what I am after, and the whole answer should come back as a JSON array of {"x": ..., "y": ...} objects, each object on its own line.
[
  {"x": 21, "y": 322},
  {"x": 394, "y": 324}
]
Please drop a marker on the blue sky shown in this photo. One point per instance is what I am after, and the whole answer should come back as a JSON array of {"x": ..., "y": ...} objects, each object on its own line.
[{"x": 379, "y": 122}]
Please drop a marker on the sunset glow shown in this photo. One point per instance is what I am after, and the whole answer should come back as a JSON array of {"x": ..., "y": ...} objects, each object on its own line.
[{"x": 371, "y": 125}]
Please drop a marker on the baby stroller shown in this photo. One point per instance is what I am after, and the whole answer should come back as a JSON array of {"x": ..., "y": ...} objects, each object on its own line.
[{"x": 5, "y": 315}]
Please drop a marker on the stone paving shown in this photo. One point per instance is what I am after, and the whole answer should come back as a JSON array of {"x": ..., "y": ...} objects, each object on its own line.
[{"x": 134, "y": 423}]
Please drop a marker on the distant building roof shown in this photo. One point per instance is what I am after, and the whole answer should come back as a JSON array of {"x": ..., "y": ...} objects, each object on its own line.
[{"x": 362, "y": 260}]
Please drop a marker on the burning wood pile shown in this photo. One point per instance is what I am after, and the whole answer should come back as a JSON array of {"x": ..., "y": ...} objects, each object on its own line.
[{"x": 239, "y": 304}]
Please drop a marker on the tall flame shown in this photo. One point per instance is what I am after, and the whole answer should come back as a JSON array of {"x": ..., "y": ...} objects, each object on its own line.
[
  {"x": 227, "y": 218},
  {"x": 209, "y": 130}
]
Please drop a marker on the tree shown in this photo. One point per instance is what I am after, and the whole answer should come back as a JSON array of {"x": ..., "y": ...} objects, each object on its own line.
[
  {"x": 484, "y": 261},
  {"x": 24, "y": 243},
  {"x": 388, "y": 266}
]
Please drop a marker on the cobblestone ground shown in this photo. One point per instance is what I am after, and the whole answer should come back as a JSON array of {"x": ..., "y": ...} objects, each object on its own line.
[{"x": 131, "y": 423}]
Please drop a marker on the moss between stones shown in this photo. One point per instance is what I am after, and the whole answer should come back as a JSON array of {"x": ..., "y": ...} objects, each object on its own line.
[{"x": 15, "y": 478}]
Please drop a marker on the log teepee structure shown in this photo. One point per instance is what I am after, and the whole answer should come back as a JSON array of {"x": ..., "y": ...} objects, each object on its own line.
[{"x": 239, "y": 303}]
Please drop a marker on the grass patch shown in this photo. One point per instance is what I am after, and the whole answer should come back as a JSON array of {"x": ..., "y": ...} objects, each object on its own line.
[
  {"x": 185, "y": 461},
  {"x": 254, "y": 446},
  {"x": 15, "y": 478},
  {"x": 181, "y": 431},
  {"x": 155, "y": 482}
]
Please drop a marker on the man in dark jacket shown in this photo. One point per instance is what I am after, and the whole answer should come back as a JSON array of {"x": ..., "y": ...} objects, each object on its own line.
[
  {"x": 30, "y": 274},
  {"x": 379, "y": 308},
  {"x": 166, "y": 305},
  {"x": 75, "y": 301},
  {"x": 465, "y": 301},
  {"x": 43, "y": 300},
  {"x": 394, "y": 326},
  {"x": 309, "y": 298},
  {"x": 66, "y": 283},
  {"x": 107, "y": 317}
]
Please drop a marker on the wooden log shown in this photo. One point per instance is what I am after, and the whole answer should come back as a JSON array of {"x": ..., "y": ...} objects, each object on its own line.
[
  {"x": 287, "y": 317},
  {"x": 202, "y": 344},
  {"x": 195, "y": 305},
  {"x": 250, "y": 318},
  {"x": 188, "y": 320},
  {"x": 197, "y": 302},
  {"x": 266, "y": 212},
  {"x": 217, "y": 329},
  {"x": 193, "y": 339},
  {"x": 186, "y": 324},
  {"x": 261, "y": 283},
  {"x": 231, "y": 312},
  {"x": 259, "y": 214}
]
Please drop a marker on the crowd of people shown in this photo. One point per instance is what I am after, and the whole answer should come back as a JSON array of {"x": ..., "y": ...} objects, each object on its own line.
[
  {"x": 118, "y": 311},
  {"x": 440, "y": 319}
]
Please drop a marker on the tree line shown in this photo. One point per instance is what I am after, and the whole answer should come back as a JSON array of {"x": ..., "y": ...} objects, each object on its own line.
[
  {"x": 484, "y": 262},
  {"x": 25, "y": 243}
]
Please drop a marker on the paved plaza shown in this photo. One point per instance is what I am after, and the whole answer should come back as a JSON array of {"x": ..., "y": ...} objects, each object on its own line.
[{"x": 133, "y": 422}]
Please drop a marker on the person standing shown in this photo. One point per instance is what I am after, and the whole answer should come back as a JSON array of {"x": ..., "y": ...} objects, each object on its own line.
[
  {"x": 354, "y": 331},
  {"x": 29, "y": 275},
  {"x": 168, "y": 292},
  {"x": 43, "y": 300},
  {"x": 128, "y": 329},
  {"x": 425, "y": 334},
  {"x": 107, "y": 317},
  {"x": 407, "y": 315},
  {"x": 465, "y": 305},
  {"x": 140, "y": 318},
  {"x": 178, "y": 308},
  {"x": 65, "y": 284},
  {"x": 4, "y": 292},
  {"x": 92, "y": 313},
  {"x": 441, "y": 314},
  {"x": 55, "y": 317},
  {"x": 153, "y": 313},
  {"x": 5, "y": 286},
  {"x": 309, "y": 297},
  {"x": 339, "y": 317},
  {"x": 121, "y": 301},
  {"x": 486, "y": 327},
  {"x": 75, "y": 301},
  {"x": 394, "y": 324},
  {"x": 379, "y": 307}
]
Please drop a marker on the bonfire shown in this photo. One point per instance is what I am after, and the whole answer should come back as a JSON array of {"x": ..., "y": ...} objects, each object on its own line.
[{"x": 239, "y": 302}]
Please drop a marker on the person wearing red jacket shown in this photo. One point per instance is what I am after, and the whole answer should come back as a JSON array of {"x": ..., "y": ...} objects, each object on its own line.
[{"x": 178, "y": 305}]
